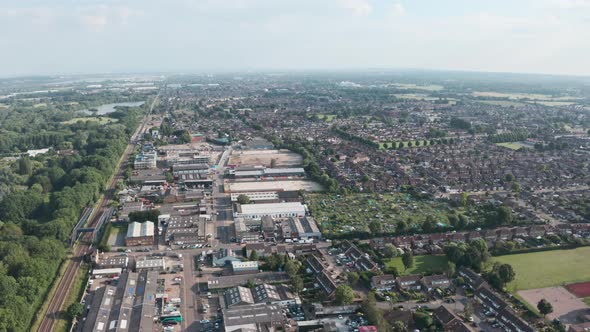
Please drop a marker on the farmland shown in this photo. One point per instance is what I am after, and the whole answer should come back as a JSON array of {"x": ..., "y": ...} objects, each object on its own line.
[
  {"x": 422, "y": 265},
  {"x": 352, "y": 213},
  {"x": 549, "y": 268}
]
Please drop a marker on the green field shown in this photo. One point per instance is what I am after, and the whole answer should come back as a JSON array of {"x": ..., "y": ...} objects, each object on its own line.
[
  {"x": 422, "y": 264},
  {"x": 512, "y": 145},
  {"x": 325, "y": 117},
  {"x": 354, "y": 212},
  {"x": 586, "y": 300},
  {"x": 99, "y": 120},
  {"x": 548, "y": 268}
]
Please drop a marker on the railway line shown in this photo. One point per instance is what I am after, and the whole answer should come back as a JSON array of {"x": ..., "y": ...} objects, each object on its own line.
[{"x": 65, "y": 283}]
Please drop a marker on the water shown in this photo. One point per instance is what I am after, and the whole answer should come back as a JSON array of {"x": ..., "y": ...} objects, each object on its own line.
[{"x": 110, "y": 108}]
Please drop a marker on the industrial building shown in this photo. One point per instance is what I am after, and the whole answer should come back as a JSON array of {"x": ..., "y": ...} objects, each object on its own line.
[
  {"x": 244, "y": 267},
  {"x": 275, "y": 210},
  {"x": 145, "y": 160},
  {"x": 129, "y": 307},
  {"x": 256, "y": 317},
  {"x": 301, "y": 228},
  {"x": 140, "y": 234},
  {"x": 266, "y": 172}
]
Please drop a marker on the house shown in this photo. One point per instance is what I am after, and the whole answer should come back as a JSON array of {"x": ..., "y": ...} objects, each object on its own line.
[
  {"x": 436, "y": 281},
  {"x": 384, "y": 282},
  {"x": 471, "y": 278},
  {"x": 410, "y": 282},
  {"x": 314, "y": 263},
  {"x": 447, "y": 319},
  {"x": 326, "y": 283}
]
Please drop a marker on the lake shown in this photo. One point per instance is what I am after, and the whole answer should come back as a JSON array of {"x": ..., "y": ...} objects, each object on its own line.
[{"x": 110, "y": 108}]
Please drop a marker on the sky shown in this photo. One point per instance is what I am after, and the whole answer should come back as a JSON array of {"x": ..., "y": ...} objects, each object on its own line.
[{"x": 41, "y": 37}]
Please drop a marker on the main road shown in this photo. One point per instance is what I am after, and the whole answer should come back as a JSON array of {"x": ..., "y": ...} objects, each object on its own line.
[{"x": 66, "y": 281}]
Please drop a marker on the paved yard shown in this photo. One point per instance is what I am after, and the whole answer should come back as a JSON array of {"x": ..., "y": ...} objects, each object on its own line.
[{"x": 566, "y": 306}]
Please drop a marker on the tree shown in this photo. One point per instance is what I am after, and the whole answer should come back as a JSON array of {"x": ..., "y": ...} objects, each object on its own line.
[
  {"x": 344, "y": 295},
  {"x": 401, "y": 227},
  {"x": 505, "y": 215},
  {"x": 544, "y": 307},
  {"x": 399, "y": 326},
  {"x": 25, "y": 166},
  {"x": 253, "y": 255},
  {"x": 273, "y": 163},
  {"x": 296, "y": 284},
  {"x": 375, "y": 227},
  {"x": 506, "y": 273},
  {"x": 389, "y": 250},
  {"x": 75, "y": 310},
  {"x": 243, "y": 199},
  {"x": 423, "y": 320},
  {"x": 292, "y": 267},
  {"x": 352, "y": 277},
  {"x": 408, "y": 259}
]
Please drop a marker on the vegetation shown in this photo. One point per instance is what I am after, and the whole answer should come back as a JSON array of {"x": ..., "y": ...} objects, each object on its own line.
[
  {"x": 426, "y": 264},
  {"x": 544, "y": 307},
  {"x": 547, "y": 268},
  {"x": 343, "y": 295},
  {"x": 42, "y": 198}
]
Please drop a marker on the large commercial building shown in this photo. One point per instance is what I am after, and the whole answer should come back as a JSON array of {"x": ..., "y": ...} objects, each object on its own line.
[
  {"x": 267, "y": 173},
  {"x": 302, "y": 228},
  {"x": 275, "y": 210},
  {"x": 140, "y": 234}
]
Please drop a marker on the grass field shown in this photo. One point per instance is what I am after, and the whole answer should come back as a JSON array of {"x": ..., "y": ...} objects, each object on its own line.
[
  {"x": 548, "y": 268},
  {"x": 512, "y": 145},
  {"x": 422, "y": 265},
  {"x": 99, "y": 120},
  {"x": 586, "y": 300}
]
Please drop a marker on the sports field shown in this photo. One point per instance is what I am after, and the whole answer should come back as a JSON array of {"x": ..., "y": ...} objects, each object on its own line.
[
  {"x": 422, "y": 265},
  {"x": 548, "y": 268}
]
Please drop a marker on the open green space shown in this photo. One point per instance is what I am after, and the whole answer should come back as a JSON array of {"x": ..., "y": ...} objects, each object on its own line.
[
  {"x": 99, "y": 120},
  {"x": 427, "y": 264},
  {"x": 353, "y": 213},
  {"x": 586, "y": 300},
  {"x": 547, "y": 268},
  {"x": 512, "y": 145}
]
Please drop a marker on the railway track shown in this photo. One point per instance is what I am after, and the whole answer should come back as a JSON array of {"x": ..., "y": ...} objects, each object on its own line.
[{"x": 65, "y": 283}]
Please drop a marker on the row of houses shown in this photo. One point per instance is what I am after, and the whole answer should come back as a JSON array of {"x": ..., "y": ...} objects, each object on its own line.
[
  {"x": 415, "y": 282},
  {"x": 490, "y": 236},
  {"x": 494, "y": 303}
]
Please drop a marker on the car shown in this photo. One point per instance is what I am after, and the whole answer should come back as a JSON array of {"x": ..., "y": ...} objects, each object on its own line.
[
  {"x": 204, "y": 321},
  {"x": 340, "y": 317},
  {"x": 209, "y": 295},
  {"x": 470, "y": 319}
]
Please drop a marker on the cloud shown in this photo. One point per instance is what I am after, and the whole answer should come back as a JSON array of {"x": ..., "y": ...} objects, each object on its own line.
[{"x": 358, "y": 7}]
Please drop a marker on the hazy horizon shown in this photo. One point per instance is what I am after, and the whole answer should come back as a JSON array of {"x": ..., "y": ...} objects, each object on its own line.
[{"x": 67, "y": 37}]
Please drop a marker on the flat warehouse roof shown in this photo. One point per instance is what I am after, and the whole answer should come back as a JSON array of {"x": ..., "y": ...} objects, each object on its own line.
[{"x": 271, "y": 208}]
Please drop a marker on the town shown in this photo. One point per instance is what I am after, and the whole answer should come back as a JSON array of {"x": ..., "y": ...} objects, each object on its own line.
[{"x": 343, "y": 203}]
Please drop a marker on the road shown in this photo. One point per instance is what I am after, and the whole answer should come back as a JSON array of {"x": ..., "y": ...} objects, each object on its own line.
[{"x": 66, "y": 281}]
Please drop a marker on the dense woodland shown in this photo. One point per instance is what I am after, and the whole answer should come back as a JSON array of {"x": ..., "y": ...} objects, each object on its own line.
[{"x": 41, "y": 198}]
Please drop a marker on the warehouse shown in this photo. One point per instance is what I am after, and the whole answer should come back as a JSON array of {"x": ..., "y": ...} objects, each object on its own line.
[
  {"x": 140, "y": 234},
  {"x": 275, "y": 210}
]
